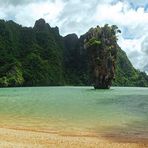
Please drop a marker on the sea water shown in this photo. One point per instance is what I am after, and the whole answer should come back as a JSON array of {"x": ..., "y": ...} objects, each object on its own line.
[{"x": 119, "y": 110}]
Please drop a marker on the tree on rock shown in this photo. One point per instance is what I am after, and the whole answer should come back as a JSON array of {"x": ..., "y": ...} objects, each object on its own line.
[{"x": 101, "y": 45}]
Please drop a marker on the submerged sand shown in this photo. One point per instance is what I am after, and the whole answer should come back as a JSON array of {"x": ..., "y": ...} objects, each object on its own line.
[{"x": 27, "y": 138}]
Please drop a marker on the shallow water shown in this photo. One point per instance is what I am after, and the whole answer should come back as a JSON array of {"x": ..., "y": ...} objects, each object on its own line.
[{"x": 118, "y": 111}]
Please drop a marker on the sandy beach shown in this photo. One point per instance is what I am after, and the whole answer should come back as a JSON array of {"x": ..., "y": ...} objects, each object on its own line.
[{"x": 27, "y": 138}]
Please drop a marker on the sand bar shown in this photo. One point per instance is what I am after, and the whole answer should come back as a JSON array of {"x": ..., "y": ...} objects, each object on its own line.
[{"x": 21, "y": 138}]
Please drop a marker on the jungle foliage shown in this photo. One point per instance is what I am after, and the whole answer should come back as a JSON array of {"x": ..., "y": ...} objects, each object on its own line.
[{"x": 40, "y": 56}]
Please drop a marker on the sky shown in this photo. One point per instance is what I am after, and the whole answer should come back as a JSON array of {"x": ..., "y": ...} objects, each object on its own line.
[{"x": 77, "y": 16}]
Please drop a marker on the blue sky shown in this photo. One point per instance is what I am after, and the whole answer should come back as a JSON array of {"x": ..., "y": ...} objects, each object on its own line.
[{"x": 77, "y": 16}]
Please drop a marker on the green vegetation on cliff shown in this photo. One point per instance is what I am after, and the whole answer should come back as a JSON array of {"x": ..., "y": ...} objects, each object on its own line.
[
  {"x": 30, "y": 56},
  {"x": 39, "y": 56},
  {"x": 101, "y": 46},
  {"x": 126, "y": 74}
]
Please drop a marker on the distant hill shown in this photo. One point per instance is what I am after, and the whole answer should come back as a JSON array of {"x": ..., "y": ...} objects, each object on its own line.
[{"x": 40, "y": 56}]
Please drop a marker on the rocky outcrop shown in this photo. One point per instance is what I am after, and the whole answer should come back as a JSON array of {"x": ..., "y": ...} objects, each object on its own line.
[
  {"x": 102, "y": 52},
  {"x": 41, "y": 25}
]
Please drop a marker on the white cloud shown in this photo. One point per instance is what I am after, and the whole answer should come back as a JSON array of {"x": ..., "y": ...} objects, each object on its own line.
[
  {"x": 144, "y": 45},
  {"x": 19, "y": 2},
  {"x": 28, "y": 14},
  {"x": 49, "y": 11},
  {"x": 133, "y": 49},
  {"x": 2, "y": 14}
]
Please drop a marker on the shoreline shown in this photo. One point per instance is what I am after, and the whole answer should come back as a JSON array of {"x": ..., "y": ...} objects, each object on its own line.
[{"x": 33, "y": 138}]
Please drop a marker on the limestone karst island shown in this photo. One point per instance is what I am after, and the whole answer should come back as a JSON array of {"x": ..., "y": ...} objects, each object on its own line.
[{"x": 83, "y": 84}]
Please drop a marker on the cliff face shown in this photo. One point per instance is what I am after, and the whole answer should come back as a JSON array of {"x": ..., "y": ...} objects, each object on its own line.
[
  {"x": 39, "y": 56},
  {"x": 101, "y": 46}
]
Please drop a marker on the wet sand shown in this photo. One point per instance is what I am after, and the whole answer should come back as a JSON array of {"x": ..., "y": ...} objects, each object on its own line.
[{"x": 31, "y": 138}]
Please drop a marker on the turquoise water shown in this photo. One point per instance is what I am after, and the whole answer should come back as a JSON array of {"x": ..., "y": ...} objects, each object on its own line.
[{"x": 116, "y": 111}]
